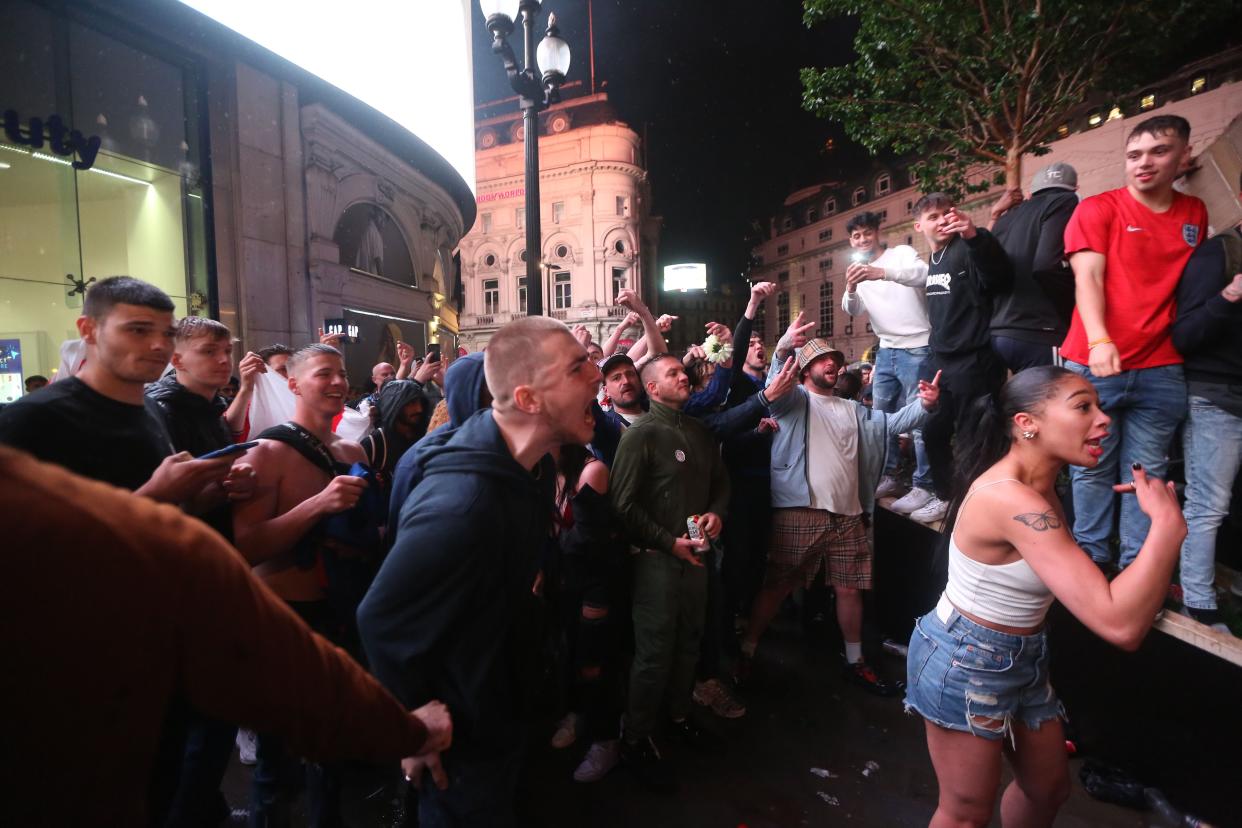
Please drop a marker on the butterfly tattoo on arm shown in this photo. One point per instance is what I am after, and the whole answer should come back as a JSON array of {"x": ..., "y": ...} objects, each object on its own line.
[{"x": 1040, "y": 521}]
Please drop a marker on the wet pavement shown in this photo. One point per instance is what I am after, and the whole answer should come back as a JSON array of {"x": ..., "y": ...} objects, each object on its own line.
[{"x": 801, "y": 715}]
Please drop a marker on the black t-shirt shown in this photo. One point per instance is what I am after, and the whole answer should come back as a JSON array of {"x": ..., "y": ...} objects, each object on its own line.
[
  {"x": 962, "y": 278},
  {"x": 70, "y": 424}
]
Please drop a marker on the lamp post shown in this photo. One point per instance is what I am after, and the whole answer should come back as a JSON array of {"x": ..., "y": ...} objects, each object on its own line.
[{"x": 536, "y": 88}]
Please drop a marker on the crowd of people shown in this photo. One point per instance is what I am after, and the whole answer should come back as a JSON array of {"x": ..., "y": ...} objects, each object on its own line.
[{"x": 622, "y": 526}]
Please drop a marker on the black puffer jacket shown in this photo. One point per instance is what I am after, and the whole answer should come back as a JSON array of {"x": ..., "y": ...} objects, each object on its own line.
[{"x": 194, "y": 423}]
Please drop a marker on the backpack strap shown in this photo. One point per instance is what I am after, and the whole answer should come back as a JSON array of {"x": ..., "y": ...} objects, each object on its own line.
[{"x": 307, "y": 445}]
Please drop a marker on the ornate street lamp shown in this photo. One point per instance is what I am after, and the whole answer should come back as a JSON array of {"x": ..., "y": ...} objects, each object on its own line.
[{"x": 536, "y": 88}]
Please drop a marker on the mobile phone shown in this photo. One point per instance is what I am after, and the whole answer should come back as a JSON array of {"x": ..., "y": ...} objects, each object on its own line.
[
  {"x": 433, "y": 353},
  {"x": 227, "y": 450}
]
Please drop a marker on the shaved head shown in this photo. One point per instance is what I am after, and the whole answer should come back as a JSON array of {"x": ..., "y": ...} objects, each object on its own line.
[
  {"x": 301, "y": 357},
  {"x": 516, "y": 355}
]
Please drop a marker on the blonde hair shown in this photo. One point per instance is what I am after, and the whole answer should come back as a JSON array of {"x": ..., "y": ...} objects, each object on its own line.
[{"x": 515, "y": 355}]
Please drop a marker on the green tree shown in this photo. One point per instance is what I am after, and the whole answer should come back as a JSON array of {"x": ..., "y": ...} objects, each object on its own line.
[{"x": 964, "y": 83}]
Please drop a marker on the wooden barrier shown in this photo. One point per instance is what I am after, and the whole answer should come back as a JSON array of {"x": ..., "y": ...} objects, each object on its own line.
[{"x": 1169, "y": 714}]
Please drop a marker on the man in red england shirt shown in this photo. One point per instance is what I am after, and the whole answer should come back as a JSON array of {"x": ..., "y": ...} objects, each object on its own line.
[{"x": 1128, "y": 248}]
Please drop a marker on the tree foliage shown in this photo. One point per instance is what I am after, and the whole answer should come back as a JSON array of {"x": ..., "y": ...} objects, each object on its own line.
[{"x": 964, "y": 83}]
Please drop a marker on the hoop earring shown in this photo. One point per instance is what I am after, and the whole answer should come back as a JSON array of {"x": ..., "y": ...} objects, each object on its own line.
[{"x": 1028, "y": 435}]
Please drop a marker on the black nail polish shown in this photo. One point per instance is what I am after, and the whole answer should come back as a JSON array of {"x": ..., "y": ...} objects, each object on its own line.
[{"x": 1136, "y": 465}]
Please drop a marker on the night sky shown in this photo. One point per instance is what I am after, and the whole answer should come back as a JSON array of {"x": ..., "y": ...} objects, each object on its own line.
[{"x": 715, "y": 88}]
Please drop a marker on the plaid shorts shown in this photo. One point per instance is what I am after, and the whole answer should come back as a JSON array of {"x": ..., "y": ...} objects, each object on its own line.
[{"x": 803, "y": 538}]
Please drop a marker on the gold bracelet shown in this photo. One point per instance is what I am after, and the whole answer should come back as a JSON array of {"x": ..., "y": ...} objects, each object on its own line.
[{"x": 1104, "y": 341}]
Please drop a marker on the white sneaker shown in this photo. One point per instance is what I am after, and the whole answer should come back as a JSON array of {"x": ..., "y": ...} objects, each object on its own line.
[
  {"x": 247, "y": 745},
  {"x": 890, "y": 486},
  {"x": 915, "y": 499},
  {"x": 932, "y": 511},
  {"x": 601, "y": 758},
  {"x": 566, "y": 731}
]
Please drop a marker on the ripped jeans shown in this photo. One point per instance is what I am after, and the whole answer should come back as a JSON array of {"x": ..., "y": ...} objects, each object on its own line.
[{"x": 963, "y": 676}]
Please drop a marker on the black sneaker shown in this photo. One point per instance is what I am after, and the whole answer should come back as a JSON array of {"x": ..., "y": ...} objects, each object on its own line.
[
  {"x": 652, "y": 769},
  {"x": 1210, "y": 617},
  {"x": 861, "y": 674}
]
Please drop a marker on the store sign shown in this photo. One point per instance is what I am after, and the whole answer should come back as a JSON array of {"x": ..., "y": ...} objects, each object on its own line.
[
  {"x": 517, "y": 192},
  {"x": 61, "y": 141},
  {"x": 346, "y": 330}
]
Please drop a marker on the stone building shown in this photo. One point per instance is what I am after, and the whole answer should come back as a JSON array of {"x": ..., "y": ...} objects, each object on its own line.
[
  {"x": 148, "y": 139},
  {"x": 806, "y": 249},
  {"x": 595, "y": 200}
]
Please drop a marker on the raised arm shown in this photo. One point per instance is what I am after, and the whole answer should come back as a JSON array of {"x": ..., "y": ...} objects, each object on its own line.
[
  {"x": 906, "y": 269},
  {"x": 405, "y": 360},
  {"x": 1121, "y": 611},
  {"x": 248, "y": 374},
  {"x": 651, "y": 331},
  {"x": 795, "y": 337},
  {"x": 610, "y": 345}
]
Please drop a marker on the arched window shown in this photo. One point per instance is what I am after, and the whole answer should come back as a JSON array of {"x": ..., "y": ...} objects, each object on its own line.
[
  {"x": 369, "y": 240},
  {"x": 830, "y": 207},
  {"x": 883, "y": 184},
  {"x": 860, "y": 195}
]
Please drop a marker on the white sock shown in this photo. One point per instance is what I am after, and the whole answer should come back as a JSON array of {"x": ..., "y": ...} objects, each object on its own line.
[{"x": 853, "y": 651}]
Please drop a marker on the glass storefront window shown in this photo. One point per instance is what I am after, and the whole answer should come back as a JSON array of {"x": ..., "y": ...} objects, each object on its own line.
[{"x": 136, "y": 210}]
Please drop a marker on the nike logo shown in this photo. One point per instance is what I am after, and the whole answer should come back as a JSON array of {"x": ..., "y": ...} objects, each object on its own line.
[{"x": 1132, "y": 229}]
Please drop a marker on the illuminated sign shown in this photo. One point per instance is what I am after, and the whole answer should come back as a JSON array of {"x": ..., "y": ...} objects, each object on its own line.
[
  {"x": 346, "y": 330},
  {"x": 688, "y": 276},
  {"x": 411, "y": 61},
  {"x": 10, "y": 370}
]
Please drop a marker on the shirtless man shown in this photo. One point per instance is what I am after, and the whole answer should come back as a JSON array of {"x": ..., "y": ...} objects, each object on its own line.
[{"x": 292, "y": 495}]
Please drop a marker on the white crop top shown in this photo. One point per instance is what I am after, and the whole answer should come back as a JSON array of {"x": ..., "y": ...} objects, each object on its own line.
[{"x": 1008, "y": 594}]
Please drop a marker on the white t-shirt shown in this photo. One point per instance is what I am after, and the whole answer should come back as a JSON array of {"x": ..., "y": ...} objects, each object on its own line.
[
  {"x": 898, "y": 313},
  {"x": 832, "y": 455}
]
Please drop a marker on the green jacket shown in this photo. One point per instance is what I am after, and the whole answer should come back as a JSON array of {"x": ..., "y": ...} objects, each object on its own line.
[{"x": 668, "y": 467}]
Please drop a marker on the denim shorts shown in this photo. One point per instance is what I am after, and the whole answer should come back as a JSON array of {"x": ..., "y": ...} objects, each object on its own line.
[{"x": 963, "y": 676}]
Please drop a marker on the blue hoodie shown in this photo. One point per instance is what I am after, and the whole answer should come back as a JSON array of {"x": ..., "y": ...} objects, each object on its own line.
[
  {"x": 450, "y": 615},
  {"x": 463, "y": 387}
]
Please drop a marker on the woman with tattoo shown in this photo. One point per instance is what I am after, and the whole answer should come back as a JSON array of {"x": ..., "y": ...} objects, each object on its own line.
[{"x": 978, "y": 663}]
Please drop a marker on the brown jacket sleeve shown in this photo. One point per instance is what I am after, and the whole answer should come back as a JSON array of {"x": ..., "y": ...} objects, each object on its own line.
[
  {"x": 138, "y": 602},
  {"x": 248, "y": 658}
]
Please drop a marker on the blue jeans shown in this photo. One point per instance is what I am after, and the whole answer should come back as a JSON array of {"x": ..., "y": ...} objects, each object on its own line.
[
  {"x": 964, "y": 676},
  {"x": 1213, "y": 445},
  {"x": 1147, "y": 405},
  {"x": 895, "y": 383}
]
